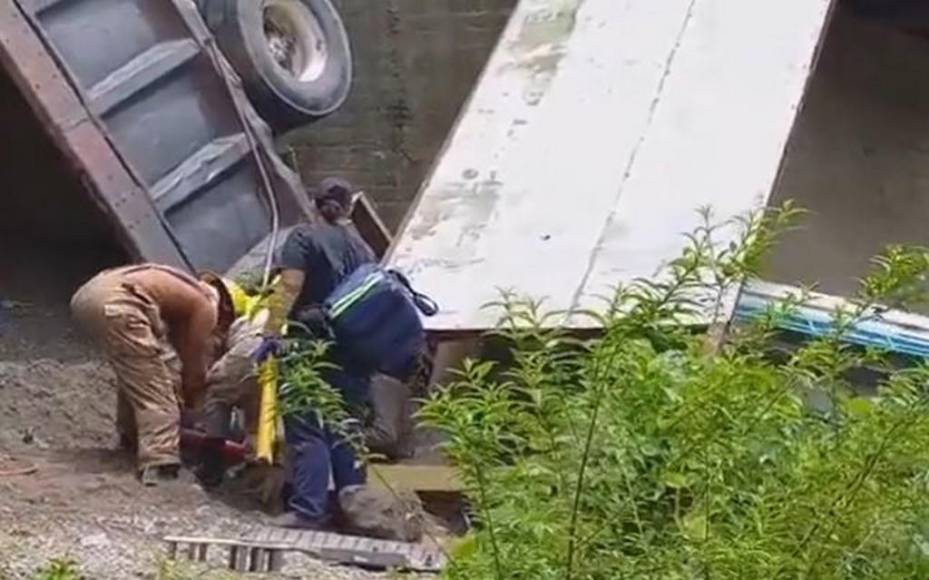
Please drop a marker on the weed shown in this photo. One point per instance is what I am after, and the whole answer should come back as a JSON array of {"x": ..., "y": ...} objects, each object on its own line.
[
  {"x": 60, "y": 569},
  {"x": 306, "y": 394}
]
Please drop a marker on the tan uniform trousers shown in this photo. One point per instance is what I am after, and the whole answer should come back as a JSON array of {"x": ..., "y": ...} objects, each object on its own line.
[
  {"x": 128, "y": 326},
  {"x": 232, "y": 381}
]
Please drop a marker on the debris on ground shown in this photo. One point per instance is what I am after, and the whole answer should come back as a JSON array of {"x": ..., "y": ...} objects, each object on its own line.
[
  {"x": 67, "y": 493},
  {"x": 86, "y": 505}
]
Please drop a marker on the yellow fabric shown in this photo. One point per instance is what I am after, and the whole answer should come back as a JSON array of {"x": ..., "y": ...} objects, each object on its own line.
[
  {"x": 254, "y": 307},
  {"x": 240, "y": 299},
  {"x": 266, "y": 438},
  {"x": 265, "y": 441}
]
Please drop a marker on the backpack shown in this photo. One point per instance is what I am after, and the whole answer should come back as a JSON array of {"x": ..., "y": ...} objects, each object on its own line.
[{"x": 374, "y": 315}]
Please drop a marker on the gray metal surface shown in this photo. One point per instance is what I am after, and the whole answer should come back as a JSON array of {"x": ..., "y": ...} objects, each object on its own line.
[
  {"x": 264, "y": 542},
  {"x": 355, "y": 550},
  {"x": 139, "y": 78},
  {"x": 597, "y": 130}
]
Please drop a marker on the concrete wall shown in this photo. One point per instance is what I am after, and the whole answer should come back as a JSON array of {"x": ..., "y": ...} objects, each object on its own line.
[
  {"x": 859, "y": 156},
  {"x": 415, "y": 64}
]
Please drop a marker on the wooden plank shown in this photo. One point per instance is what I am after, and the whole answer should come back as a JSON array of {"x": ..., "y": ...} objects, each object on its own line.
[
  {"x": 427, "y": 478},
  {"x": 370, "y": 226}
]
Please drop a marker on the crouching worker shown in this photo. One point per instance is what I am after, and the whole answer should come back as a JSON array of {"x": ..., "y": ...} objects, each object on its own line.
[
  {"x": 315, "y": 258},
  {"x": 132, "y": 312},
  {"x": 232, "y": 382}
]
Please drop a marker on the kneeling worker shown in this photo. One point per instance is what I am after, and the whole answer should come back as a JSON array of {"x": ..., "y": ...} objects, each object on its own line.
[
  {"x": 131, "y": 312},
  {"x": 315, "y": 258}
]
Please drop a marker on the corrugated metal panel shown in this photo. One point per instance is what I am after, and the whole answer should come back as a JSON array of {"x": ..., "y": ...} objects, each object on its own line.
[
  {"x": 68, "y": 122},
  {"x": 152, "y": 90},
  {"x": 598, "y": 128}
]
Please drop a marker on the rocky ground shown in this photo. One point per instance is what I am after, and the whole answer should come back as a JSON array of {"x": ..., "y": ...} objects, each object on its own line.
[{"x": 65, "y": 492}]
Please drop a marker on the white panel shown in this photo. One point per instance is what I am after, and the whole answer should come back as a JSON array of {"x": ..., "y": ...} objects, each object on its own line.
[{"x": 597, "y": 129}]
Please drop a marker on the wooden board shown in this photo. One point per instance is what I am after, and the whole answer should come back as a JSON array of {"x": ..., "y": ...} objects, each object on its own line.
[{"x": 423, "y": 478}]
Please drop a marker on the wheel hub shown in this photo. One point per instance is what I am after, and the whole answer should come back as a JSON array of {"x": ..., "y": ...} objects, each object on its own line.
[{"x": 295, "y": 39}]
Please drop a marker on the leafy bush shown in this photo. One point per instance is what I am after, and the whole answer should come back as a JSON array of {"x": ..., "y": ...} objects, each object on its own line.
[
  {"x": 306, "y": 394},
  {"x": 654, "y": 451}
]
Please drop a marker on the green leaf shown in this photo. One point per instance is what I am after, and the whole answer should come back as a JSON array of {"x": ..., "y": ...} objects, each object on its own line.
[
  {"x": 694, "y": 526},
  {"x": 675, "y": 480},
  {"x": 860, "y": 407},
  {"x": 464, "y": 548}
]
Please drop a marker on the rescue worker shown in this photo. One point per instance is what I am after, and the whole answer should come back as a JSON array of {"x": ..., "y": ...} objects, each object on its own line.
[
  {"x": 132, "y": 312},
  {"x": 231, "y": 382},
  {"x": 314, "y": 259}
]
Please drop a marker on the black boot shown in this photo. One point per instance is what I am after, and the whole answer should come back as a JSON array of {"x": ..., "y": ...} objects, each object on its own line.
[{"x": 212, "y": 468}]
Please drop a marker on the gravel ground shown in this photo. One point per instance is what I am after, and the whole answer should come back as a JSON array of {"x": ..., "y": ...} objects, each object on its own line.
[{"x": 83, "y": 502}]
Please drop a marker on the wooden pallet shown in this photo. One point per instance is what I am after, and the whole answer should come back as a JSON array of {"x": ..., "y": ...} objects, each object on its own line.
[{"x": 263, "y": 550}]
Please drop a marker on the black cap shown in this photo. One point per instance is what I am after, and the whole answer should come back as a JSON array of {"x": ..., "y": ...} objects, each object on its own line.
[{"x": 335, "y": 189}]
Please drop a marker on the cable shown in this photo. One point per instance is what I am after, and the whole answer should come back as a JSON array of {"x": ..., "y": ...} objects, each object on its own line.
[{"x": 217, "y": 58}]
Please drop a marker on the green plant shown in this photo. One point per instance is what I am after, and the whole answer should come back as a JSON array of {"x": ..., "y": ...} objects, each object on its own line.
[
  {"x": 60, "y": 569},
  {"x": 305, "y": 392},
  {"x": 181, "y": 570},
  {"x": 644, "y": 454}
]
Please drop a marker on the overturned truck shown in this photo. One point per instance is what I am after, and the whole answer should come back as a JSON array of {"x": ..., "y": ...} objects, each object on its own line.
[{"x": 135, "y": 106}]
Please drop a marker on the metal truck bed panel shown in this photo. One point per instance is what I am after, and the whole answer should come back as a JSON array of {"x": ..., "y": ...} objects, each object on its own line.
[
  {"x": 226, "y": 218},
  {"x": 133, "y": 96},
  {"x": 171, "y": 119},
  {"x": 100, "y": 36},
  {"x": 596, "y": 131}
]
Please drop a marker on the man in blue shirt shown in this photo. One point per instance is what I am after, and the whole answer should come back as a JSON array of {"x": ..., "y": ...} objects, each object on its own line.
[{"x": 315, "y": 258}]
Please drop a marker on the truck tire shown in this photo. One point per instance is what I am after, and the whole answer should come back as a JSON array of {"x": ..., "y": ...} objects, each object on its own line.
[{"x": 293, "y": 56}]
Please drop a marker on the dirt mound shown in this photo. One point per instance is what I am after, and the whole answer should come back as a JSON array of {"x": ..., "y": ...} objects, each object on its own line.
[{"x": 49, "y": 403}]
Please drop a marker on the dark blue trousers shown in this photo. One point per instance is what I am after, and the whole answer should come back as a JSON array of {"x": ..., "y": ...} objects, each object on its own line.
[{"x": 317, "y": 453}]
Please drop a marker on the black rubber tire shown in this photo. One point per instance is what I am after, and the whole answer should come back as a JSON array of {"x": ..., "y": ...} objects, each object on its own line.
[{"x": 283, "y": 100}]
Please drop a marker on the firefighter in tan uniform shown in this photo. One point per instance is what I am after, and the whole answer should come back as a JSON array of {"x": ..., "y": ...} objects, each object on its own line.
[{"x": 136, "y": 313}]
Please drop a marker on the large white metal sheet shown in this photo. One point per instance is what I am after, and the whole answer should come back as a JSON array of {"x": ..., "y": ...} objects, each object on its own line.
[{"x": 597, "y": 129}]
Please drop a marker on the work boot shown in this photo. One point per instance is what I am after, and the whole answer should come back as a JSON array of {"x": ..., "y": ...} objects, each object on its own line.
[
  {"x": 295, "y": 521},
  {"x": 158, "y": 474}
]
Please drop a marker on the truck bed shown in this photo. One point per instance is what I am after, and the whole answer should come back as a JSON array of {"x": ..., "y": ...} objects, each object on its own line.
[
  {"x": 131, "y": 93},
  {"x": 596, "y": 131}
]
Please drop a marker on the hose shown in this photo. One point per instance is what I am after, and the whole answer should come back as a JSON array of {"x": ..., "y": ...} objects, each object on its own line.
[{"x": 268, "y": 188}]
